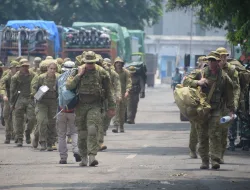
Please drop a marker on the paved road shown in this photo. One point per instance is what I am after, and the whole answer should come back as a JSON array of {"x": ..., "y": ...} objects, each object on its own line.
[{"x": 152, "y": 154}]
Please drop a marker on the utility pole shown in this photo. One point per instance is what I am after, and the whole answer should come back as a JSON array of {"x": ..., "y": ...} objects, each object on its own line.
[{"x": 191, "y": 34}]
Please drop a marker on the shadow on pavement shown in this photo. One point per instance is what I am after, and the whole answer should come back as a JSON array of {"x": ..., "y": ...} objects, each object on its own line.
[
  {"x": 173, "y": 183},
  {"x": 159, "y": 126},
  {"x": 168, "y": 151}
]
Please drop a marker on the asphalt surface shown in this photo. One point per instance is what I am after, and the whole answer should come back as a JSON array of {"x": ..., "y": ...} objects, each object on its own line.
[{"x": 152, "y": 154}]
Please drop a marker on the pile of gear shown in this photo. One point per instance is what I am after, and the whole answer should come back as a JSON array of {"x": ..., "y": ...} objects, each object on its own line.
[
  {"x": 88, "y": 38},
  {"x": 11, "y": 34}
]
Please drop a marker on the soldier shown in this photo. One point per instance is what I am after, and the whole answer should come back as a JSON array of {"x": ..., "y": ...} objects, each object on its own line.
[
  {"x": 59, "y": 61},
  {"x": 7, "y": 113},
  {"x": 66, "y": 59},
  {"x": 59, "y": 68},
  {"x": 20, "y": 82},
  {"x": 43, "y": 68},
  {"x": 116, "y": 91},
  {"x": 47, "y": 106},
  {"x": 126, "y": 85},
  {"x": 66, "y": 124},
  {"x": 193, "y": 137},
  {"x": 216, "y": 84},
  {"x": 36, "y": 63},
  {"x": 134, "y": 94},
  {"x": 90, "y": 82},
  {"x": 233, "y": 75}
]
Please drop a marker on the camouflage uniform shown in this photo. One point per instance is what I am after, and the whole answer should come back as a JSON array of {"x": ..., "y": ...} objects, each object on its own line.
[
  {"x": 116, "y": 91},
  {"x": 209, "y": 132},
  {"x": 90, "y": 87},
  {"x": 5, "y": 91},
  {"x": 36, "y": 63},
  {"x": 134, "y": 94},
  {"x": 126, "y": 84},
  {"x": 46, "y": 110},
  {"x": 24, "y": 104}
]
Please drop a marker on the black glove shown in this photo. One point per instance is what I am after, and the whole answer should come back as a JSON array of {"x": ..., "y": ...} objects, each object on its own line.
[{"x": 142, "y": 95}]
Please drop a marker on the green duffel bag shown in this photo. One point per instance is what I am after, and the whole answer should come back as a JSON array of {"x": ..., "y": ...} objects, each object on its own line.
[{"x": 193, "y": 103}]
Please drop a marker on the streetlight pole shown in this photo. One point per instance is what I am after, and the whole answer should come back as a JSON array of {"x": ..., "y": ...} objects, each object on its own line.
[{"x": 191, "y": 34}]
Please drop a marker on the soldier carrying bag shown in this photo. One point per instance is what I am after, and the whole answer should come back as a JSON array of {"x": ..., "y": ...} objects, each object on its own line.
[{"x": 193, "y": 103}]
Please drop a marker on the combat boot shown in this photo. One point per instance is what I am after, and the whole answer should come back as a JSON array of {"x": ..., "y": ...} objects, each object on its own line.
[
  {"x": 221, "y": 161},
  {"x": 27, "y": 136},
  {"x": 83, "y": 162},
  {"x": 63, "y": 162},
  {"x": 92, "y": 161},
  {"x": 7, "y": 140},
  {"x": 43, "y": 146},
  {"x": 115, "y": 130},
  {"x": 231, "y": 145},
  {"x": 103, "y": 147},
  {"x": 122, "y": 129},
  {"x": 193, "y": 154},
  {"x": 49, "y": 147},
  {"x": 215, "y": 165},
  {"x": 204, "y": 165},
  {"x": 130, "y": 122},
  {"x": 35, "y": 141},
  {"x": 77, "y": 157},
  {"x": 20, "y": 142}
]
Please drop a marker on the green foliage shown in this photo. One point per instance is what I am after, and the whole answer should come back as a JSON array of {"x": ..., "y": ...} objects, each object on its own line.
[
  {"x": 133, "y": 14},
  {"x": 232, "y": 15}
]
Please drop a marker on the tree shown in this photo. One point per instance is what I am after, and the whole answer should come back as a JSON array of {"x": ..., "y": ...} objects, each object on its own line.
[
  {"x": 231, "y": 15},
  {"x": 132, "y": 14}
]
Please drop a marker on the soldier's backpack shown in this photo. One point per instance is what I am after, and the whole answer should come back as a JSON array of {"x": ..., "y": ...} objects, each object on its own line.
[
  {"x": 67, "y": 99},
  {"x": 193, "y": 103},
  {"x": 244, "y": 74}
]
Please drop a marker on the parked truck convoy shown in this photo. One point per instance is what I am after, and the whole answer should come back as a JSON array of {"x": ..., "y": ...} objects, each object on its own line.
[{"x": 32, "y": 38}]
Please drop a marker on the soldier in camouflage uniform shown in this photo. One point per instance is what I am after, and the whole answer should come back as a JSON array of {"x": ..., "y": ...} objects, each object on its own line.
[
  {"x": 47, "y": 106},
  {"x": 43, "y": 68},
  {"x": 36, "y": 63},
  {"x": 21, "y": 81},
  {"x": 48, "y": 60},
  {"x": 233, "y": 75},
  {"x": 134, "y": 94},
  {"x": 193, "y": 137},
  {"x": 5, "y": 91},
  {"x": 126, "y": 84},
  {"x": 209, "y": 131},
  {"x": 90, "y": 82},
  {"x": 116, "y": 91}
]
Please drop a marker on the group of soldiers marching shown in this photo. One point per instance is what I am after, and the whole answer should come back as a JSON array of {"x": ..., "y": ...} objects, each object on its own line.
[
  {"x": 225, "y": 82},
  {"x": 104, "y": 89}
]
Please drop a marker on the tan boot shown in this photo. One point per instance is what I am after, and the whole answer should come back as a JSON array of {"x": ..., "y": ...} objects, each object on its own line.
[
  {"x": 43, "y": 146},
  {"x": 122, "y": 129},
  {"x": 92, "y": 161},
  {"x": 83, "y": 162},
  {"x": 35, "y": 141},
  {"x": 115, "y": 130},
  {"x": 215, "y": 165},
  {"x": 102, "y": 147},
  {"x": 193, "y": 154},
  {"x": 204, "y": 165}
]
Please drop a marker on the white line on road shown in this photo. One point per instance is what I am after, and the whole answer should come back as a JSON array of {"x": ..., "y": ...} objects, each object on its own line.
[
  {"x": 131, "y": 156},
  {"x": 145, "y": 145}
]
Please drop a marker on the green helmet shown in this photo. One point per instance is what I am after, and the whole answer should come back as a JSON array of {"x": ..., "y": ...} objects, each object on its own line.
[{"x": 43, "y": 66}]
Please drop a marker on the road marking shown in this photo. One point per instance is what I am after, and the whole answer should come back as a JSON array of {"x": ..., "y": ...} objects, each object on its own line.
[
  {"x": 145, "y": 145},
  {"x": 112, "y": 169},
  {"x": 131, "y": 156}
]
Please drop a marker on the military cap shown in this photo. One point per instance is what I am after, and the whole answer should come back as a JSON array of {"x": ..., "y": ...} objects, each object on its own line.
[
  {"x": 66, "y": 59},
  {"x": 43, "y": 66},
  {"x": 14, "y": 64},
  {"x": 222, "y": 51},
  {"x": 118, "y": 59},
  {"x": 19, "y": 58},
  {"x": 24, "y": 62},
  {"x": 49, "y": 57},
  {"x": 201, "y": 59},
  {"x": 213, "y": 55},
  {"x": 59, "y": 61},
  {"x": 132, "y": 69},
  {"x": 37, "y": 59},
  {"x": 90, "y": 57}
]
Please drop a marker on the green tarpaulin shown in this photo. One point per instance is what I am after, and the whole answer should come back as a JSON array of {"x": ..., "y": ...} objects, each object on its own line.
[{"x": 128, "y": 50}]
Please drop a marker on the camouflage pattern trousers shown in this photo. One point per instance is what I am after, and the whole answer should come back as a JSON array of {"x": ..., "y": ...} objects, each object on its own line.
[
  {"x": 224, "y": 135},
  {"x": 103, "y": 129},
  {"x": 133, "y": 101},
  {"x": 119, "y": 118},
  {"x": 193, "y": 137},
  {"x": 9, "y": 129},
  {"x": 88, "y": 122},
  {"x": 46, "y": 123},
  {"x": 209, "y": 137},
  {"x": 232, "y": 131},
  {"x": 24, "y": 106}
]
